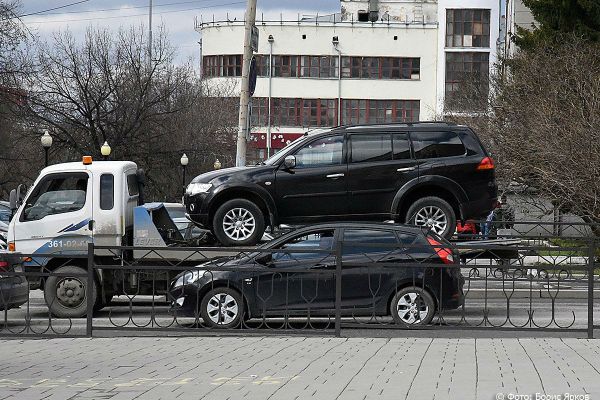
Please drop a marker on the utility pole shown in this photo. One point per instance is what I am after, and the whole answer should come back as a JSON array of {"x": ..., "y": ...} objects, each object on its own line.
[
  {"x": 150, "y": 34},
  {"x": 240, "y": 158}
]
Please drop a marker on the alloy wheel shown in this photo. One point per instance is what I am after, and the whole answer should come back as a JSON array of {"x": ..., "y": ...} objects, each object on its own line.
[
  {"x": 222, "y": 309},
  {"x": 432, "y": 217},
  {"x": 412, "y": 309},
  {"x": 239, "y": 224}
]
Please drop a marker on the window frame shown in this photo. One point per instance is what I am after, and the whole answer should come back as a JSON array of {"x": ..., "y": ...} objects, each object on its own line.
[
  {"x": 344, "y": 157},
  {"x": 414, "y": 153},
  {"x": 49, "y": 177},
  {"x": 112, "y": 190}
]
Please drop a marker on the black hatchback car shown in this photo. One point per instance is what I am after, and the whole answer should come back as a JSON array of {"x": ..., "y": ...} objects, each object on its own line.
[
  {"x": 14, "y": 289},
  {"x": 386, "y": 269},
  {"x": 427, "y": 174}
]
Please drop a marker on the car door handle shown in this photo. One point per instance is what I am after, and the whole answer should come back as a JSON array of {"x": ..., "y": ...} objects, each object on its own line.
[
  {"x": 91, "y": 225},
  {"x": 335, "y": 176},
  {"x": 407, "y": 169},
  {"x": 324, "y": 266}
]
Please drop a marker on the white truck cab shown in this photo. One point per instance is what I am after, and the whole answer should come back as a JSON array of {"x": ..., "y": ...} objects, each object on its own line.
[{"x": 72, "y": 204}]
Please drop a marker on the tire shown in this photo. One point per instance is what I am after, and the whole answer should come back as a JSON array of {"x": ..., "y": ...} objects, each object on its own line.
[
  {"x": 243, "y": 212},
  {"x": 66, "y": 297},
  {"x": 222, "y": 308},
  {"x": 427, "y": 210},
  {"x": 412, "y": 306}
]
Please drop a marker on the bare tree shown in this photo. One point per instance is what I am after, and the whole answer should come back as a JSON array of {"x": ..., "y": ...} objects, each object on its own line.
[
  {"x": 542, "y": 123},
  {"x": 104, "y": 88}
]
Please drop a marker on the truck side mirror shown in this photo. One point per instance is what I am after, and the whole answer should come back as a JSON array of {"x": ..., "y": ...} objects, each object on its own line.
[
  {"x": 289, "y": 162},
  {"x": 21, "y": 192},
  {"x": 13, "y": 200}
]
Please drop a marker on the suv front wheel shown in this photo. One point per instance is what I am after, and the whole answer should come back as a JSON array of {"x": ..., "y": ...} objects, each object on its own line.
[
  {"x": 434, "y": 213},
  {"x": 238, "y": 222}
]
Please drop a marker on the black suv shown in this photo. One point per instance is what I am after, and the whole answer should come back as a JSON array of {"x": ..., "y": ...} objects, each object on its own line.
[{"x": 424, "y": 173}]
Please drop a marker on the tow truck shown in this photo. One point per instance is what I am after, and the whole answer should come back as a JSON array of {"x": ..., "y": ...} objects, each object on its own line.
[{"x": 73, "y": 204}]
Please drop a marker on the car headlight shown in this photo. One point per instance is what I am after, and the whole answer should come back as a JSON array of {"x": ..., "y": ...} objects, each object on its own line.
[
  {"x": 195, "y": 188},
  {"x": 188, "y": 278}
]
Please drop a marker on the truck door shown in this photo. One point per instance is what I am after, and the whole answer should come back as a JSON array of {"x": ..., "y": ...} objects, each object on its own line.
[{"x": 56, "y": 215}]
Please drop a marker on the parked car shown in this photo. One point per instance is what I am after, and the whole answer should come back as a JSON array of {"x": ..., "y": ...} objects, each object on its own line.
[
  {"x": 14, "y": 290},
  {"x": 3, "y": 235},
  {"x": 428, "y": 174},
  {"x": 5, "y": 212},
  {"x": 407, "y": 286}
]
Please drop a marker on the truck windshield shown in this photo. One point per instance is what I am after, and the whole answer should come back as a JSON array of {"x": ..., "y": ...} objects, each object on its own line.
[{"x": 56, "y": 194}]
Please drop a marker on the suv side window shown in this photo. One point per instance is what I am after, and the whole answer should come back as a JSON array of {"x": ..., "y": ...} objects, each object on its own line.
[
  {"x": 321, "y": 152},
  {"x": 401, "y": 146},
  {"x": 56, "y": 194},
  {"x": 437, "y": 144},
  {"x": 371, "y": 147}
]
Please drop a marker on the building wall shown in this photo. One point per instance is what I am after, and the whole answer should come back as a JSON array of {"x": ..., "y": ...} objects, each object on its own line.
[{"x": 353, "y": 41}]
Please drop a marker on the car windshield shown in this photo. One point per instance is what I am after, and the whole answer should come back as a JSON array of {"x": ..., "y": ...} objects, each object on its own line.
[{"x": 275, "y": 158}]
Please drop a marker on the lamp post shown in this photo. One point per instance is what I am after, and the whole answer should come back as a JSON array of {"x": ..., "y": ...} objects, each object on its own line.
[
  {"x": 46, "y": 140},
  {"x": 184, "y": 162},
  {"x": 105, "y": 150},
  {"x": 336, "y": 43},
  {"x": 217, "y": 164}
]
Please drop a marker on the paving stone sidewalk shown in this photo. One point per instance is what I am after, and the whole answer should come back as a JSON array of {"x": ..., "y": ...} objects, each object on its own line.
[{"x": 287, "y": 368}]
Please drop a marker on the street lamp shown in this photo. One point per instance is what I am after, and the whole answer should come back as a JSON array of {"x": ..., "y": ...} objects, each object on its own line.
[
  {"x": 105, "y": 150},
  {"x": 184, "y": 162},
  {"x": 46, "y": 140},
  {"x": 217, "y": 164}
]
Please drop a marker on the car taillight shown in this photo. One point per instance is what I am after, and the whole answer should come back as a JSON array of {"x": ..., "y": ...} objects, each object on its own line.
[
  {"x": 486, "y": 164},
  {"x": 443, "y": 252},
  {"x": 4, "y": 266}
]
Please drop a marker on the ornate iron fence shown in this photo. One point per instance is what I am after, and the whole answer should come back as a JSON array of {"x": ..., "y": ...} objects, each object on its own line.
[{"x": 513, "y": 281}]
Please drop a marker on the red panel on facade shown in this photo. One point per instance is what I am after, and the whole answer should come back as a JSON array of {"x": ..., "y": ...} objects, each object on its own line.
[{"x": 278, "y": 140}]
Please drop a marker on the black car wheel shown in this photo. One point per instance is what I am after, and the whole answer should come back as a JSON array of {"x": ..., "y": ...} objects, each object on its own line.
[
  {"x": 222, "y": 308},
  {"x": 66, "y": 296},
  {"x": 434, "y": 213},
  {"x": 239, "y": 222},
  {"x": 412, "y": 306}
]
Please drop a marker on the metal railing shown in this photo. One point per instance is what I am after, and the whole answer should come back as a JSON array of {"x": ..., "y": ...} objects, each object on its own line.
[{"x": 513, "y": 281}]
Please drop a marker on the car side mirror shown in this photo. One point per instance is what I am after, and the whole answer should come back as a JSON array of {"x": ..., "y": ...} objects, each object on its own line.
[{"x": 289, "y": 162}]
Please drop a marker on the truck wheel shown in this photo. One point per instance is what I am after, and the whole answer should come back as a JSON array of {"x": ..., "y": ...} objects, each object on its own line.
[
  {"x": 412, "y": 306},
  {"x": 222, "y": 308},
  {"x": 434, "y": 213},
  {"x": 238, "y": 222},
  {"x": 66, "y": 296}
]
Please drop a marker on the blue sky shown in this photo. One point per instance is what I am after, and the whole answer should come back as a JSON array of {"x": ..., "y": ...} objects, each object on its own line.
[{"x": 178, "y": 18}]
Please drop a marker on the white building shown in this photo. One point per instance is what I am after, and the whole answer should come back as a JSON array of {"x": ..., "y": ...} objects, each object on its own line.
[
  {"x": 400, "y": 59},
  {"x": 517, "y": 16}
]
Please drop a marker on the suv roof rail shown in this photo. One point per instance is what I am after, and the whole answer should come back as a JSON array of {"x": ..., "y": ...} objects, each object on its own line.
[{"x": 399, "y": 124}]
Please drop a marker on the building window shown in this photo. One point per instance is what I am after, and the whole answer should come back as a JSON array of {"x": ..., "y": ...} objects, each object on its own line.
[
  {"x": 232, "y": 65},
  {"x": 292, "y": 112},
  {"x": 467, "y": 28},
  {"x": 285, "y": 66},
  {"x": 381, "y": 68},
  {"x": 260, "y": 111},
  {"x": 380, "y": 111},
  {"x": 262, "y": 65},
  {"x": 467, "y": 80},
  {"x": 318, "y": 67}
]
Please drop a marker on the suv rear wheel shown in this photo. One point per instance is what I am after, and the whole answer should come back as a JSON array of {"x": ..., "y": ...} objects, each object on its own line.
[
  {"x": 238, "y": 222},
  {"x": 434, "y": 213}
]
